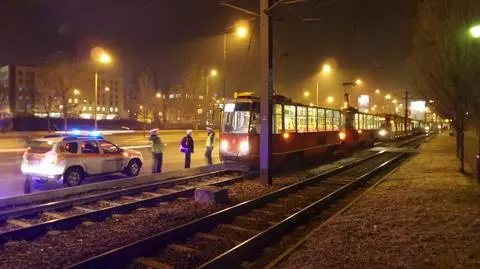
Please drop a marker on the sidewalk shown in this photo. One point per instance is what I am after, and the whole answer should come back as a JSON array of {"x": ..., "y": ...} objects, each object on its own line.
[{"x": 425, "y": 215}]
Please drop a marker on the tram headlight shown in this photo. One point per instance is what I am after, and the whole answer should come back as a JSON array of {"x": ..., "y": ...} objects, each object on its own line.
[
  {"x": 244, "y": 147},
  {"x": 382, "y": 132},
  {"x": 224, "y": 145},
  {"x": 342, "y": 135}
]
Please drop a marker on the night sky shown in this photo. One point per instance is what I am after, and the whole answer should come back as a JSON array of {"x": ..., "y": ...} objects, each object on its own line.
[{"x": 366, "y": 38}]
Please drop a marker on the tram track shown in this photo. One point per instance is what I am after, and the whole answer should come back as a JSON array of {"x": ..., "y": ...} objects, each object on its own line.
[
  {"x": 31, "y": 221},
  {"x": 228, "y": 237}
]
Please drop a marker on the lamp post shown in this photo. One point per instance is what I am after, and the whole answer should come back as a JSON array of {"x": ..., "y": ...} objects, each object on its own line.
[
  {"x": 475, "y": 33},
  {"x": 100, "y": 56},
  {"x": 213, "y": 73},
  {"x": 241, "y": 31}
]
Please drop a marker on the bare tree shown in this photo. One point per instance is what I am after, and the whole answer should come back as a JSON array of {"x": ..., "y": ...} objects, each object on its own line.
[
  {"x": 61, "y": 77},
  {"x": 445, "y": 61},
  {"x": 145, "y": 96}
]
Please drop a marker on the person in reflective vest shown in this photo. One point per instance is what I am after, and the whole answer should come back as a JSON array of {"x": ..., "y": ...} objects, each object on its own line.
[
  {"x": 209, "y": 145},
  {"x": 187, "y": 147},
  {"x": 157, "y": 151}
]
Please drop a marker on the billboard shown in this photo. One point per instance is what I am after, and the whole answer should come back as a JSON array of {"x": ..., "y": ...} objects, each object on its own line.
[
  {"x": 417, "y": 110},
  {"x": 363, "y": 102}
]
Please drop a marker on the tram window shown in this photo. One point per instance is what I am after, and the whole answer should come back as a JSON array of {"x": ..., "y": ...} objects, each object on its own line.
[
  {"x": 301, "y": 119},
  {"x": 277, "y": 119},
  {"x": 361, "y": 121},
  {"x": 312, "y": 119},
  {"x": 355, "y": 121},
  {"x": 336, "y": 120},
  {"x": 236, "y": 122},
  {"x": 321, "y": 119},
  {"x": 369, "y": 122},
  {"x": 329, "y": 119},
  {"x": 255, "y": 125},
  {"x": 289, "y": 118}
]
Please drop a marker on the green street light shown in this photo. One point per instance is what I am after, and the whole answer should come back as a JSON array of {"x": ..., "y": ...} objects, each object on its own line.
[{"x": 475, "y": 31}]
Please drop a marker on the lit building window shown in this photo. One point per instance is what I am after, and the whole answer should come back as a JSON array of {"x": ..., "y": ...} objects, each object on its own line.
[
  {"x": 103, "y": 108},
  {"x": 90, "y": 108},
  {"x": 69, "y": 100},
  {"x": 200, "y": 97},
  {"x": 98, "y": 108},
  {"x": 171, "y": 96},
  {"x": 75, "y": 101},
  {"x": 111, "y": 109},
  {"x": 116, "y": 109},
  {"x": 84, "y": 108}
]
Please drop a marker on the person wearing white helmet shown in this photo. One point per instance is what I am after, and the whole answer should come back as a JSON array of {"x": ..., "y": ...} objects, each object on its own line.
[
  {"x": 157, "y": 151},
  {"x": 209, "y": 145},
  {"x": 187, "y": 147}
]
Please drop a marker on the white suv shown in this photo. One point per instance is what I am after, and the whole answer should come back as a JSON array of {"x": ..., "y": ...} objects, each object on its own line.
[{"x": 69, "y": 159}]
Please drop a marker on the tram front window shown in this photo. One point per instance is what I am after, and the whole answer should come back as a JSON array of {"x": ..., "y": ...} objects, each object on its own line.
[{"x": 236, "y": 122}]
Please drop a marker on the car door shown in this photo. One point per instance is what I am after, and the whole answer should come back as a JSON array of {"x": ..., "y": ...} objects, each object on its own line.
[
  {"x": 91, "y": 158},
  {"x": 111, "y": 156}
]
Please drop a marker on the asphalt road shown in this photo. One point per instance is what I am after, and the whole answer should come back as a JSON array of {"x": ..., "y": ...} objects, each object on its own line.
[{"x": 11, "y": 179}]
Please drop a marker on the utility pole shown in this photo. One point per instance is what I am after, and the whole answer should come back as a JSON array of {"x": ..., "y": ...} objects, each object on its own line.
[
  {"x": 405, "y": 123},
  {"x": 266, "y": 54}
]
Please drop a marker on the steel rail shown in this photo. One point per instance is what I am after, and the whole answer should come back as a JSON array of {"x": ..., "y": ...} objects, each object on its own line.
[{"x": 120, "y": 256}]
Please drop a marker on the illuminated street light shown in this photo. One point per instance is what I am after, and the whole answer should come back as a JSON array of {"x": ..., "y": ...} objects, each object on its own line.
[
  {"x": 306, "y": 94},
  {"x": 311, "y": 104},
  {"x": 107, "y": 89},
  {"x": 241, "y": 31},
  {"x": 330, "y": 99},
  {"x": 76, "y": 92},
  {"x": 475, "y": 31},
  {"x": 158, "y": 95},
  {"x": 394, "y": 101},
  {"x": 377, "y": 91},
  {"x": 358, "y": 82},
  {"x": 101, "y": 56},
  {"x": 327, "y": 69},
  {"x": 141, "y": 107},
  {"x": 213, "y": 73},
  {"x": 388, "y": 97}
]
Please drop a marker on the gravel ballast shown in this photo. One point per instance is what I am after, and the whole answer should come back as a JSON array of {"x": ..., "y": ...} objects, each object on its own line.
[
  {"x": 425, "y": 215},
  {"x": 70, "y": 246}
]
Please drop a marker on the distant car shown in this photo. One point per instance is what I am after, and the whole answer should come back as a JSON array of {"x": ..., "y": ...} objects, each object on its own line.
[{"x": 70, "y": 159}]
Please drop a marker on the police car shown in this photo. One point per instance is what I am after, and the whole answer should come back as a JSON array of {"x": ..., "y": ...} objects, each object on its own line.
[{"x": 68, "y": 159}]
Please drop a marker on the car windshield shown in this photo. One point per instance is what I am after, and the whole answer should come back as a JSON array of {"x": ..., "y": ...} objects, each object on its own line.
[{"x": 41, "y": 147}]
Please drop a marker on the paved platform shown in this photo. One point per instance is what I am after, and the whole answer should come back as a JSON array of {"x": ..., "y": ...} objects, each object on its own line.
[{"x": 425, "y": 215}]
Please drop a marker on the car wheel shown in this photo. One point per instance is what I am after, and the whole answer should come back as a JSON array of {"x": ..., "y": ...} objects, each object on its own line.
[
  {"x": 133, "y": 168},
  {"x": 27, "y": 185},
  {"x": 73, "y": 177}
]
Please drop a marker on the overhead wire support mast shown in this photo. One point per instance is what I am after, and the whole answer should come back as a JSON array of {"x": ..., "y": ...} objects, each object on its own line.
[{"x": 266, "y": 96}]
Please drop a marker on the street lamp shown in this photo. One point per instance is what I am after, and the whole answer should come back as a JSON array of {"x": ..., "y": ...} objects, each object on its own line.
[
  {"x": 213, "y": 73},
  {"x": 358, "y": 82},
  {"x": 475, "y": 31},
  {"x": 306, "y": 94},
  {"x": 241, "y": 31},
  {"x": 326, "y": 69},
  {"x": 76, "y": 92},
  {"x": 377, "y": 91},
  {"x": 330, "y": 99},
  {"x": 388, "y": 97},
  {"x": 100, "y": 56},
  {"x": 394, "y": 101}
]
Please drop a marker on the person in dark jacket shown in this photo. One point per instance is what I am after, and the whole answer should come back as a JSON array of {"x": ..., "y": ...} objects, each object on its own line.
[
  {"x": 187, "y": 147},
  {"x": 157, "y": 151}
]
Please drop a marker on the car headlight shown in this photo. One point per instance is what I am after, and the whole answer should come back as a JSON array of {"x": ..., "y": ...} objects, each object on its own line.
[
  {"x": 382, "y": 132},
  {"x": 224, "y": 145},
  {"x": 244, "y": 147}
]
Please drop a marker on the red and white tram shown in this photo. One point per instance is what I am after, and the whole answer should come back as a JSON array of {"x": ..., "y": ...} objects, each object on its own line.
[{"x": 299, "y": 131}]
